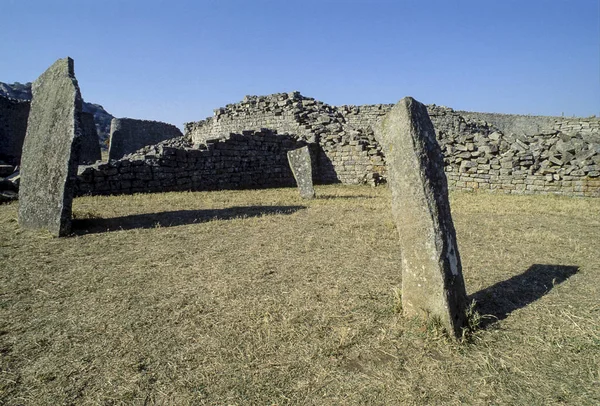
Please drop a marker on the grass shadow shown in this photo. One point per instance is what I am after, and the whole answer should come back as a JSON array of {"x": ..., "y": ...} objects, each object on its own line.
[
  {"x": 174, "y": 218},
  {"x": 499, "y": 300}
]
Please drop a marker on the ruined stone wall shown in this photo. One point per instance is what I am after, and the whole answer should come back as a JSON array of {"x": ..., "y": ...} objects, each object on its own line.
[
  {"x": 509, "y": 153},
  {"x": 586, "y": 127},
  {"x": 13, "y": 126},
  {"x": 281, "y": 112},
  {"x": 445, "y": 120},
  {"x": 249, "y": 160},
  {"x": 348, "y": 155},
  {"x": 353, "y": 158},
  {"x": 534, "y": 125},
  {"x": 449, "y": 121},
  {"x": 478, "y": 155},
  {"x": 511, "y": 164},
  {"x": 514, "y": 123},
  {"x": 127, "y": 135},
  {"x": 545, "y": 163},
  {"x": 364, "y": 117}
]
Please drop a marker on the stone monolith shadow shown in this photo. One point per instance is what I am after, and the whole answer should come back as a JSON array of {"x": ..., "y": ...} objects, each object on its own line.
[
  {"x": 301, "y": 165},
  {"x": 50, "y": 151},
  {"x": 432, "y": 280}
]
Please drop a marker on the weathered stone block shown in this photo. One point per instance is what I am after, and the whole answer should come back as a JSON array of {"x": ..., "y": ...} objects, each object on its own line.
[
  {"x": 49, "y": 160},
  {"x": 432, "y": 281},
  {"x": 300, "y": 163}
]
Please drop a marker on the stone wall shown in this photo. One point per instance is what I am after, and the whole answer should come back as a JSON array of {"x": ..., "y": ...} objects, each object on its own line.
[
  {"x": 534, "y": 125},
  {"x": 102, "y": 118},
  {"x": 450, "y": 121},
  {"x": 13, "y": 126},
  {"x": 509, "y": 153},
  {"x": 281, "y": 112},
  {"x": 564, "y": 159},
  {"x": 348, "y": 155},
  {"x": 545, "y": 163},
  {"x": 127, "y": 135},
  {"x": 444, "y": 119},
  {"x": 364, "y": 117},
  {"x": 586, "y": 127},
  {"x": 248, "y": 160},
  {"x": 514, "y": 123}
]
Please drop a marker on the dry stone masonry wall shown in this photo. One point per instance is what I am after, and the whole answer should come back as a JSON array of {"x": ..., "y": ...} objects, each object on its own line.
[
  {"x": 346, "y": 154},
  {"x": 248, "y": 160},
  {"x": 509, "y": 153},
  {"x": 13, "y": 126},
  {"x": 546, "y": 155},
  {"x": 127, "y": 135},
  {"x": 505, "y": 153}
]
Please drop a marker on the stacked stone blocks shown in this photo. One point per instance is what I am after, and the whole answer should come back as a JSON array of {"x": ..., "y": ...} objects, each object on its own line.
[
  {"x": 248, "y": 160},
  {"x": 13, "y": 126},
  {"x": 563, "y": 159}
]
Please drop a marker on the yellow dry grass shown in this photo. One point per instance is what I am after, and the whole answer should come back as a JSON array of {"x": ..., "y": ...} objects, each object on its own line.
[{"x": 258, "y": 297}]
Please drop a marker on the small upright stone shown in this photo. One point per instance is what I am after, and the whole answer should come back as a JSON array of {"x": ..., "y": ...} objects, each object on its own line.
[
  {"x": 300, "y": 163},
  {"x": 89, "y": 151},
  {"x": 50, "y": 151},
  {"x": 432, "y": 280}
]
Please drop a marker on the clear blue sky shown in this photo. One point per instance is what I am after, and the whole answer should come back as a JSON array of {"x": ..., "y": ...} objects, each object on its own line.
[{"x": 176, "y": 61}]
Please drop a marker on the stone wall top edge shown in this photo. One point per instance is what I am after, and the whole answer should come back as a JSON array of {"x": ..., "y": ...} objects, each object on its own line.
[
  {"x": 462, "y": 112},
  {"x": 389, "y": 105},
  {"x": 13, "y": 100},
  {"x": 137, "y": 120},
  {"x": 381, "y": 106}
]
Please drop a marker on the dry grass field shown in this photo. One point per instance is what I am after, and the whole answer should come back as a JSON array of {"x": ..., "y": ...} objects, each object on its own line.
[{"x": 259, "y": 298}]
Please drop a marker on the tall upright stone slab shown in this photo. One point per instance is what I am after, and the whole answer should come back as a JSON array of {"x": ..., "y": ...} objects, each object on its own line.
[
  {"x": 50, "y": 151},
  {"x": 432, "y": 280},
  {"x": 89, "y": 150},
  {"x": 301, "y": 165}
]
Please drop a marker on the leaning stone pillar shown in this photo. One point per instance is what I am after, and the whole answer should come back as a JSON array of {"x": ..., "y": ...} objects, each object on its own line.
[
  {"x": 432, "y": 280},
  {"x": 49, "y": 158},
  {"x": 299, "y": 160}
]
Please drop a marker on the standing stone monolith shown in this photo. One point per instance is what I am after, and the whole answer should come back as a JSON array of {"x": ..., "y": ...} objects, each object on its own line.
[
  {"x": 432, "y": 280},
  {"x": 50, "y": 151},
  {"x": 300, "y": 163},
  {"x": 89, "y": 146}
]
